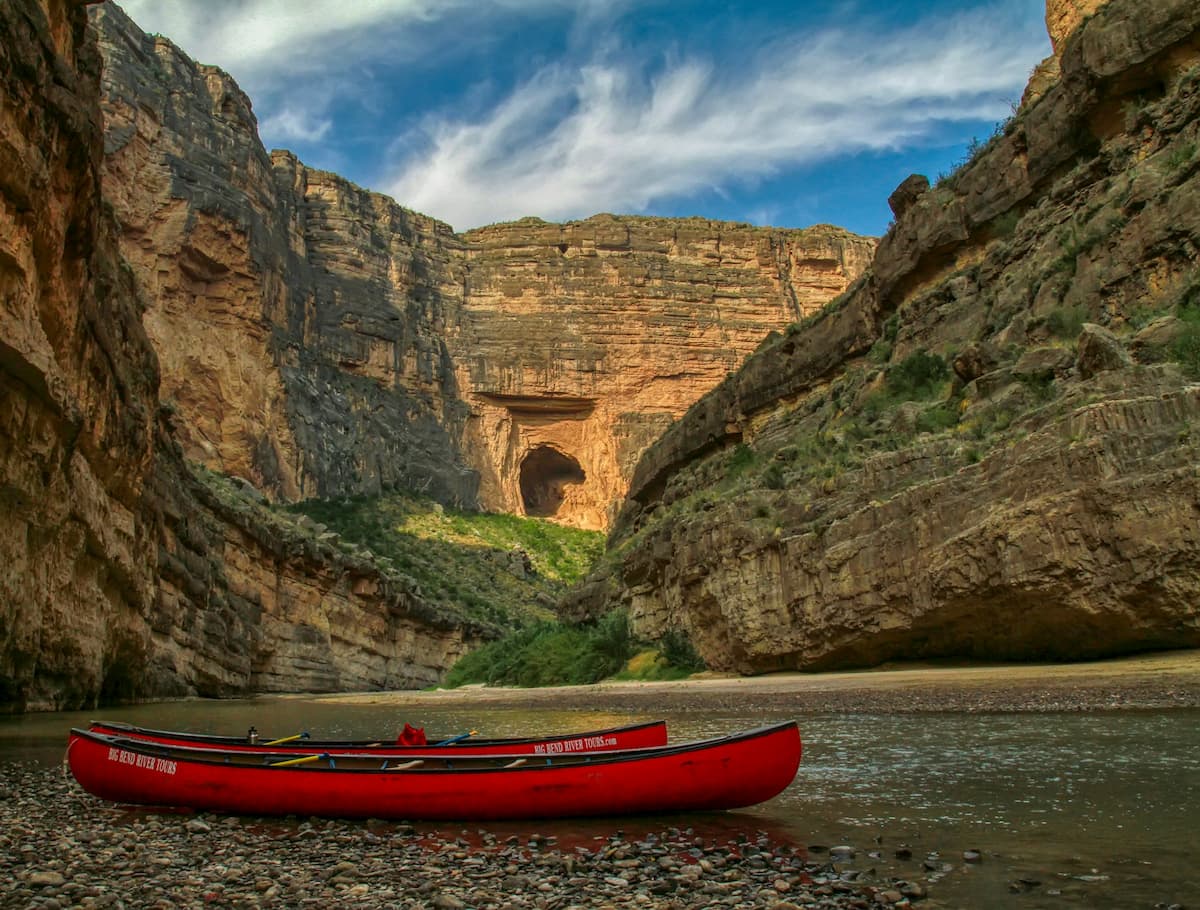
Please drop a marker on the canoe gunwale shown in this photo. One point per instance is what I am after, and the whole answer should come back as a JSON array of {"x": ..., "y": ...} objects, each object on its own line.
[{"x": 216, "y": 741}]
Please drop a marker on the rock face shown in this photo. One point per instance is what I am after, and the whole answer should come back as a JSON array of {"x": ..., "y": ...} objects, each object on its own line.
[
  {"x": 581, "y": 342},
  {"x": 958, "y": 456},
  {"x": 124, "y": 575},
  {"x": 1063, "y": 17},
  {"x": 78, "y": 375},
  {"x": 248, "y": 601},
  {"x": 299, "y": 319},
  {"x": 320, "y": 340}
]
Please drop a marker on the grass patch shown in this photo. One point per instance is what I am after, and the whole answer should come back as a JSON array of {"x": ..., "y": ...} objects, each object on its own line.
[
  {"x": 651, "y": 666},
  {"x": 504, "y": 569},
  {"x": 1181, "y": 155}
]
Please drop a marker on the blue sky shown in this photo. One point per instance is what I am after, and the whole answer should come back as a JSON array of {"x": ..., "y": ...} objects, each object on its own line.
[{"x": 478, "y": 111}]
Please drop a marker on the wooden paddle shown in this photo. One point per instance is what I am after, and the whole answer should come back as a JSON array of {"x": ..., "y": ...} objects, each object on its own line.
[
  {"x": 455, "y": 739},
  {"x": 297, "y": 761},
  {"x": 287, "y": 739}
]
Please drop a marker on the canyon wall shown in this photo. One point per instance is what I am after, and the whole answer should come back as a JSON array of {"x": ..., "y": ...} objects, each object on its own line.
[
  {"x": 127, "y": 574},
  {"x": 78, "y": 379},
  {"x": 298, "y": 319},
  {"x": 987, "y": 447},
  {"x": 581, "y": 342},
  {"x": 321, "y": 340}
]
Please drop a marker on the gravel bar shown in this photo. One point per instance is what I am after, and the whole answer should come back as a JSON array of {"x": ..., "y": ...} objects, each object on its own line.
[{"x": 60, "y": 848}]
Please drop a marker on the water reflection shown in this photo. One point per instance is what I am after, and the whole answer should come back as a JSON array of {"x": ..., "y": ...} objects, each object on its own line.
[{"x": 1098, "y": 808}]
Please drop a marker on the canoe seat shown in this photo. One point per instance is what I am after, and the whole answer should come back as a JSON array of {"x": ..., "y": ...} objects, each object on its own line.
[
  {"x": 416, "y": 762},
  {"x": 515, "y": 764}
]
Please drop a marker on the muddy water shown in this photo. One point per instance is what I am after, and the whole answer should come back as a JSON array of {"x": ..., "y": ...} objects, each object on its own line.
[{"x": 1098, "y": 809}]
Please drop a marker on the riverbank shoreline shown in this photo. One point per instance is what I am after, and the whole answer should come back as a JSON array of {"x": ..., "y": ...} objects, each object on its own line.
[
  {"x": 61, "y": 848},
  {"x": 1156, "y": 681}
]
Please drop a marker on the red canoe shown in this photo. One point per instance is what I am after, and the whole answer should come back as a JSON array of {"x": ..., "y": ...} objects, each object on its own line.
[
  {"x": 636, "y": 736},
  {"x": 728, "y": 772}
]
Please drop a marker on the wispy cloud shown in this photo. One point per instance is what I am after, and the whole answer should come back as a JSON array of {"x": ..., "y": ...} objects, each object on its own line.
[
  {"x": 299, "y": 59},
  {"x": 618, "y": 115},
  {"x": 615, "y": 135},
  {"x": 262, "y": 39},
  {"x": 295, "y": 125}
]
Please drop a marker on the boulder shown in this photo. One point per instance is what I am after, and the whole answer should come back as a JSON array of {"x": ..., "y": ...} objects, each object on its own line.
[
  {"x": 974, "y": 360},
  {"x": 907, "y": 193},
  {"x": 1099, "y": 350}
]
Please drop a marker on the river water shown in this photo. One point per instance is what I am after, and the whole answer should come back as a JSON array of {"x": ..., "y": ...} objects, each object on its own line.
[{"x": 1099, "y": 809}]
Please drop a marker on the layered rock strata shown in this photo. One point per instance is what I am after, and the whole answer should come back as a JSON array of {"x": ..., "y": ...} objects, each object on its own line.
[
  {"x": 299, "y": 320},
  {"x": 320, "y": 340},
  {"x": 581, "y": 342},
  {"x": 124, "y": 576},
  {"x": 840, "y": 502},
  {"x": 78, "y": 379}
]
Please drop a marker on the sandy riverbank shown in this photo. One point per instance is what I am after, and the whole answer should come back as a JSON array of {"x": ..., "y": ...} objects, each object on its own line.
[{"x": 1148, "y": 681}]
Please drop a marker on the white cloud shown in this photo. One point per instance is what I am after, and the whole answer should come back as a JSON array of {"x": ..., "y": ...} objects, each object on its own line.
[
  {"x": 299, "y": 60},
  {"x": 295, "y": 125},
  {"x": 265, "y": 40},
  {"x": 600, "y": 128},
  {"x": 606, "y": 136}
]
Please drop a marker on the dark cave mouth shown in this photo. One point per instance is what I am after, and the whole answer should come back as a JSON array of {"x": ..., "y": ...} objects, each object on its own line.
[{"x": 545, "y": 473}]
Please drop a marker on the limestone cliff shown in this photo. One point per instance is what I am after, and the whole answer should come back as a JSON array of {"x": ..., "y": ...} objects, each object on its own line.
[
  {"x": 298, "y": 318},
  {"x": 581, "y": 342},
  {"x": 320, "y": 340},
  {"x": 125, "y": 575},
  {"x": 78, "y": 379},
  {"x": 988, "y": 446},
  {"x": 1063, "y": 18}
]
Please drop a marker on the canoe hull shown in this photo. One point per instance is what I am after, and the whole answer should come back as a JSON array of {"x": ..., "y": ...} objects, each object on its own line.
[
  {"x": 728, "y": 773},
  {"x": 635, "y": 736}
]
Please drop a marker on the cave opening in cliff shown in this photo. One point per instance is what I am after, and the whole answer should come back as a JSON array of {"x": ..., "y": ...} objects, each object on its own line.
[{"x": 545, "y": 474}]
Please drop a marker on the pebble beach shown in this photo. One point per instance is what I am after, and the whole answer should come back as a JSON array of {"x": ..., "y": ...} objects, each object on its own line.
[{"x": 61, "y": 848}]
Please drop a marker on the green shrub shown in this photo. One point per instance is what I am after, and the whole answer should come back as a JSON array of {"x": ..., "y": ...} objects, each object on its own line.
[
  {"x": 677, "y": 649},
  {"x": 891, "y": 327},
  {"x": 1004, "y": 225},
  {"x": 1066, "y": 322},
  {"x": 550, "y": 654},
  {"x": 994, "y": 421},
  {"x": 1185, "y": 350},
  {"x": 1042, "y": 387},
  {"x": 918, "y": 376},
  {"x": 1181, "y": 155},
  {"x": 742, "y": 458},
  {"x": 773, "y": 478},
  {"x": 936, "y": 419},
  {"x": 612, "y": 640},
  {"x": 881, "y": 352}
]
